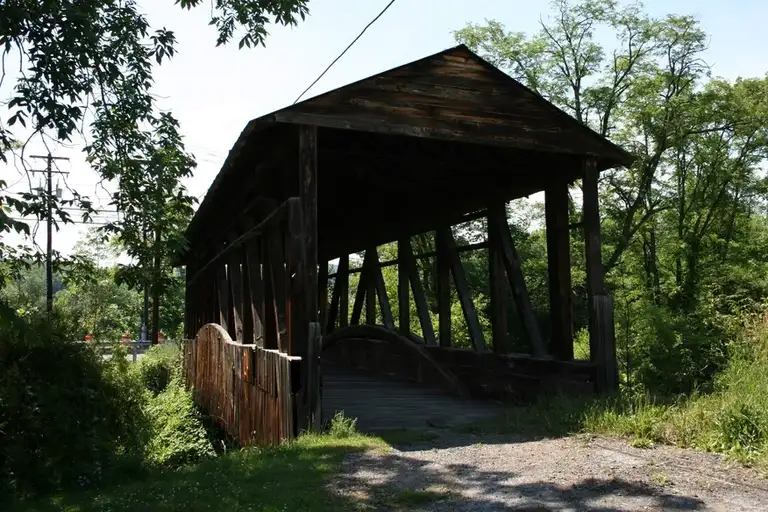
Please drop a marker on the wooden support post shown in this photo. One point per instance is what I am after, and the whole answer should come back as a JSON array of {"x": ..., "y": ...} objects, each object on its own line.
[
  {"x": 296, "y": 276},
  {"x": 559, "y": 266},
  {"x": 408, "y": 262},
  {"x": 342, "y": 277},
  {"x": 370, "y": 285},
  {"x": 256, "y": 289},
  {"x": 443, "y": 292},
  {"x": 235, "y": 275},
  {"x": 271, "y": 329},
  {"x": 278, "y": 273},
  {"x": 247, "y": 309},
  {"x": 357, "y": 306},
  {"x": 312, "y": 388},
  {"x": 381, "y": 293},
  {"x": 601, "y": 330},
  {"x": 403, "y": 291},
  {"x": 322, "y": 291},
  {"x": 517, "y": 284},
  {"x": 462, "y": 289},
  {"x": 308, "y": 196},
  {"x": 224, "y": 295},
  {"x": 498, "y": 284}
]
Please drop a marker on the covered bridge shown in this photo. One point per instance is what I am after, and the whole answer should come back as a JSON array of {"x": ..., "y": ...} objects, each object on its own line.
[{"x": 274, "y": 346}]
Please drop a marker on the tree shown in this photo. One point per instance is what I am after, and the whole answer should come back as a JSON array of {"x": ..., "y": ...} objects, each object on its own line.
[
  {"x": 92, "y": 62},
  {"x": 684, "y": 227}
]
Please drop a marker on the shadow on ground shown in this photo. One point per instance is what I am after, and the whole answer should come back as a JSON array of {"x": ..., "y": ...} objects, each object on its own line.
[{"x": 397, "y": 482}]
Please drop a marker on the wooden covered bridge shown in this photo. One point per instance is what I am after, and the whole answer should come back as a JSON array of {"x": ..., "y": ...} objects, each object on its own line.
[{"x": 274, "y": 347}]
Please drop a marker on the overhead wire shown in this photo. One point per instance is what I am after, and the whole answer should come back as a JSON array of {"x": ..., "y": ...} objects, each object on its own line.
[{"x": 345, "y": 50}]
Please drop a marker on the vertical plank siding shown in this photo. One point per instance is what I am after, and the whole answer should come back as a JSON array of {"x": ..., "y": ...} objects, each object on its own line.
[{"x": 244, "y": 388}]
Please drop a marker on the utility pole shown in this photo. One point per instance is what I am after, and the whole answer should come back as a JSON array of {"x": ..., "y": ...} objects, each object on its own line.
[{"x": 49, "y": 207}]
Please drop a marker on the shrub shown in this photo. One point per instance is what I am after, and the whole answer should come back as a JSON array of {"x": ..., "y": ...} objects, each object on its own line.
[
  {"x": 64, "y": 418},
  {"x": 159, "y": 364},
  {"x": 342, "y": 427},
  {"x": 178, "y": 434}
]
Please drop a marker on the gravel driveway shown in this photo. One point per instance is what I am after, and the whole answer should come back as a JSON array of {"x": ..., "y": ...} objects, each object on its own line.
[{"x": 458, "y": 472}]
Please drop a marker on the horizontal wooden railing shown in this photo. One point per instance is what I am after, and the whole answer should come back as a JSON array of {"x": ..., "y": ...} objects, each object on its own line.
[{"x": 246, "y": 389}]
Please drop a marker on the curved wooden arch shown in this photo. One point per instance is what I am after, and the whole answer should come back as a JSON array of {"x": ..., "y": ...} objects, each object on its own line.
[{"x": 378, "y": 349}]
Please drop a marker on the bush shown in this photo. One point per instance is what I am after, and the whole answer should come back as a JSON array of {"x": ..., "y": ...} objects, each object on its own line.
[
  {"x": 178, "y": 434},
  {"x": 732, "y": 419},
  {"x": 64, "y": 418},
  {"x": 159, "y": 364}
]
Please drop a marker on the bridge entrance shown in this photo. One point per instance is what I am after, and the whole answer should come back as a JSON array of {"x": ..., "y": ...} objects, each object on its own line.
[{"x": 288, "y": 250}]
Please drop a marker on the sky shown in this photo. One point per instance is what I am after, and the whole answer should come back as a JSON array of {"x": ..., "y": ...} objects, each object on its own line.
[{"x": 214, "y": 92}]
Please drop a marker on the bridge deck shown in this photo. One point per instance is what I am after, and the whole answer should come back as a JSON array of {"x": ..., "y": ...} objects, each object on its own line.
[{"x": 381, "y": 404}]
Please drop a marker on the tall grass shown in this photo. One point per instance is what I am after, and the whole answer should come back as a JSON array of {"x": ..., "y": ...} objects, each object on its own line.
[{"x": 733, "y": 419}]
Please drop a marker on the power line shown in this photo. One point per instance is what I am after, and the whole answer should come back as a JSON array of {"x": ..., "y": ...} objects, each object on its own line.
[{"x": 345, "y": 50}]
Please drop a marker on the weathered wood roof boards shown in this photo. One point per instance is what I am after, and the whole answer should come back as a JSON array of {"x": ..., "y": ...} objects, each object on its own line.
[{"x": 403, "y": 150}]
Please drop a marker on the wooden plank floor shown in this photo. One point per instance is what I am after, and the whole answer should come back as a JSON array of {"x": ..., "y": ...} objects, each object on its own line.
[{"x": 380, "y": 404}]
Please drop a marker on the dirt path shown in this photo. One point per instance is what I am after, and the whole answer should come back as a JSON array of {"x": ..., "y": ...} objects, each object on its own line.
[{"x": 470, "y": 473}]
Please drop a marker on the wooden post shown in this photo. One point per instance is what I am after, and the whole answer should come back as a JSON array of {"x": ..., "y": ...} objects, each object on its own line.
[
  {"x": 497, "y": 280},
  {"x": 381, "y": 294},
  {"x": 559, "y": 267},
  {"x": 601, "y": 330},
  {"x": 462, "y": 289},
  {"x": 308, "y": 179},
  {"x": 256, "y": 289},
  {"x": 443, "y": 292},
  {"x": 235, "y": 277},
  {"x": 517, "y": 284},
  {"x": 342, "y": 277},
  {"x": 419, "y": 298},
  {"x": 403, "y": 291},
  {"x": 308, "y": 196},
  {"x": 370, "y": 285},
  {"x": 322, "y": 290},
  {"x": 225, "y": 305}
]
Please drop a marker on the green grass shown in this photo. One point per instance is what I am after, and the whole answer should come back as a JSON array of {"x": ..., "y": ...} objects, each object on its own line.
[{"x": 289, "y": 477}]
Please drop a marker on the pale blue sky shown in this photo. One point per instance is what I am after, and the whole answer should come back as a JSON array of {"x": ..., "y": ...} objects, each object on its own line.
[{"x": 214, "y": 92}]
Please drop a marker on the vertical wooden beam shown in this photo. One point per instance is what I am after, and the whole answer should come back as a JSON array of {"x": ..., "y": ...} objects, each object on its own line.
[
  {"x": 403, "y": 291},
  {"x": 559, "y": 267},
  {"x": 322, "y": 291},
  {"x": 308, "y": 196},
  {"x": 517, "y": 284},
  {"x": 225, "y": 305},
  {"x": 498, "y": 284},
  {"x": 297, "y": 322},
  {"x": 419, "y": 297},
  {"x": 342, "y": 277},
  {"x": 443, "y": 292},
  {"x": 370, "y": 285},
  {"x": 247, "y": 308},
  {"x": 462, "y": 289},
  {"x": 235, "y": 276},
  {"x": 256, "y": 288},
  {"x": 278, "y": 273},
  {"x": 381, "y": 293},
  {"x": 602, "y": 342},
  {"x": 271, "y": 329},
  {"x": 357, "y": 306}
]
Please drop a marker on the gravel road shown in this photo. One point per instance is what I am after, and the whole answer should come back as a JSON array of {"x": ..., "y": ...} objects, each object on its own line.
[{"x": 472, "y": 473}]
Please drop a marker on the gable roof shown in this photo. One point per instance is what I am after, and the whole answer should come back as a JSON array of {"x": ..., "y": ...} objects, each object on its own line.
[{"x": 453, "y": 95}]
